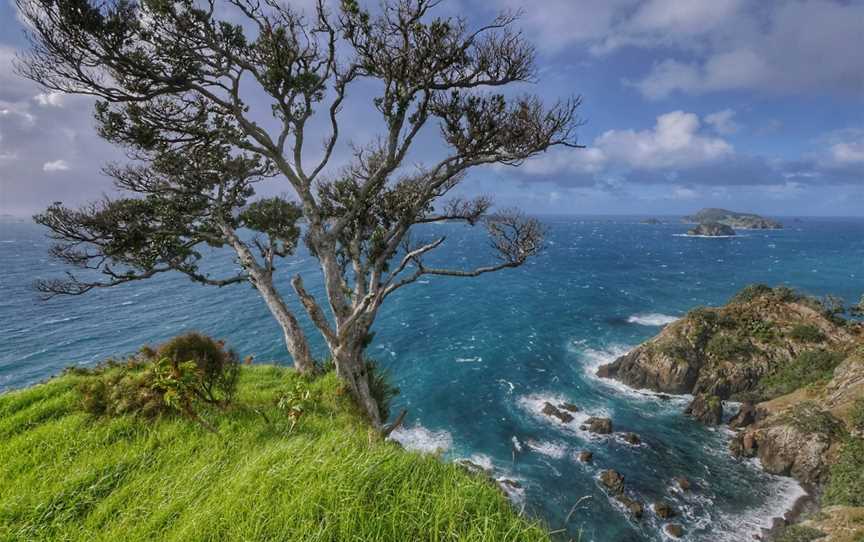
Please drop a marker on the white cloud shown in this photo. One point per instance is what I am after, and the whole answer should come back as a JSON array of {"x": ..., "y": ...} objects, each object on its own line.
[
  {"x": 848, "y": 153},
  {"x": 674, "y": 141},
  {"x": 723, "y": 122},
  {"x": 56, "y": 165},
  {"x": 49, "y": 99}
]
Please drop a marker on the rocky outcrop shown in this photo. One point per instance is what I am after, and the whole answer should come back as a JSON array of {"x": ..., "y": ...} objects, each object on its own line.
[
  {"x": 613, "y": 481},
  {"x": 728, "y": 351},
  {"x": 745, "y": 416},
  {"x": 601, "y": 426},
  {"x": 586, "y": 456},
  {"x": 712, "y": 229},
  {"x": 632, "y": 439},
  {"x": 674, "y": 530},
  {"x": 664, "y": 510},
  {"x": 551, "y": 410},
  {"x": 708, "y": 409},
  {"x": 734, "y": 219}
]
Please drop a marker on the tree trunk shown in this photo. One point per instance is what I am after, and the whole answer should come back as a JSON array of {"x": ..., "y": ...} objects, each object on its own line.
[
  {"x": 351, "y": 369},
  {"x": 295, "y": 340}
]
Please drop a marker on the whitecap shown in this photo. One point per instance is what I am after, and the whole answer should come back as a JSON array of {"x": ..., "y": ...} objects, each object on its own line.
[
  {"x": 594, "y": 358},
  {"x": 421, "y": 439},
  {"x": 60, "y": 320},
  {"x": 476, "y": 359},
  {"x": 126, "y": 303},
  {"x": 555, "y": 450},
  {"x": 534, "y": 404},
  {"x": 652, "y": 319}
]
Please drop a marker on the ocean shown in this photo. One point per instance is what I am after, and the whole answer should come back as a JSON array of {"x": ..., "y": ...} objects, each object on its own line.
[{"x": 475, "y": 359}]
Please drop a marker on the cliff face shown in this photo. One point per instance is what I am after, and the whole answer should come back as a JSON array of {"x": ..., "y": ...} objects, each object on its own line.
[
  {"x": 738, "y": 351},
  {"x": 712, "y": 229}
]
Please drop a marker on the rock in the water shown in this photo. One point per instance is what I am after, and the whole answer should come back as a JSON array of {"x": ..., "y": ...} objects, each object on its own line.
[
  {"x": 712, "y": 229},
  {"x": 745, "y": 416},
  {"x": 570, "y": 407},
  {"x": 683, "y": 483},
  {"x": 472, "y": 467},
  {"x": 635, "y": 507},
  {"x": 601, "y": 426},
  {"x": 507, "y": 482},
  {"x": 551, "y": 410},
  {"x": 586, "y": 457},
  {"x": 632, "y": 438},
  {"x": 613, "y": 481},
  {"x": 708, "y": 409},
  {"x": 674, "y": 530},
  {"x": 664, "y": 510}
]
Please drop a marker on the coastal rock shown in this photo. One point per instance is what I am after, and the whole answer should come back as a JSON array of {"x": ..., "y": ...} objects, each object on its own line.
[
  {"x": 569, "y": 407},
  {"x": 586, "y": 457},
  {"x": 651, "y": 221},
  {"x": 635, "y": 507},
  {"x": 708, "y": 409},
  {"x": 712, "y": 229},
  {"x": 632, "y": 438},
  {"x": 613, "y": 481},
  {"x": 674, "y": 530},
  {"x": 601, "y": 426},
  {"x": 745, "y": 416},
  {"x": 473, "y": 467},
  {"x": 683, "y": 483},
  {"x": 664, "y": 510},
  {"x": 551, "y": 410}
]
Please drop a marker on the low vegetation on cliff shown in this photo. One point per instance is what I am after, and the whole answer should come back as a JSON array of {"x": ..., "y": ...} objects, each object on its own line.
[{"x": 289, "y": 458}]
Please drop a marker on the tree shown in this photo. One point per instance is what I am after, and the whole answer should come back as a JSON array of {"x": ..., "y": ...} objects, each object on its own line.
[{"x": 178, "y": 77}]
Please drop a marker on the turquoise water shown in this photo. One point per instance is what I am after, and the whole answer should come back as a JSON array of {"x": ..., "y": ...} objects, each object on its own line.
[{"x": 476, "y": 358}]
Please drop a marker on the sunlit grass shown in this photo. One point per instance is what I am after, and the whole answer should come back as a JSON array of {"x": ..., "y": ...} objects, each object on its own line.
[{"x": 65, "y": 475}]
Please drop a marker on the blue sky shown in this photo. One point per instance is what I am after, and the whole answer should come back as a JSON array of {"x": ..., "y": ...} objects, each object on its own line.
[{"x": 755, "y": 106}]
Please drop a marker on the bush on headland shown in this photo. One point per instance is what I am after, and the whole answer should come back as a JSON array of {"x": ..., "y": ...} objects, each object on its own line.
[{"x": 291, "y": 458}]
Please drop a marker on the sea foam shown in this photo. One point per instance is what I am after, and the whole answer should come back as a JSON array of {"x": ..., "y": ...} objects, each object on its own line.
[
  {"x": 421, "y": 439},
  {"x": 652, "y": 319}
]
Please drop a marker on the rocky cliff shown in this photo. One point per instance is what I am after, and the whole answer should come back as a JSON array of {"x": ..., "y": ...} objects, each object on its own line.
[
  {"x": 799, "y": 372},
  {"x": 711, "y": 229}
]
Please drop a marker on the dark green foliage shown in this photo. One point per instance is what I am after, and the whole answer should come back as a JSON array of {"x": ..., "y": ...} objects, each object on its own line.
[
  {"x": 807, "y": 368},
  {"x": 217, "y": 368},
  {"x": 382, "y": 390},
  {"x": 751, "y": 292},
  {"x": 806, "y": 333},
  {"x": 729, "y": 348},
  {"x": 123, "y": 390},
  {"x": 856, "y": 415},
  {"x": 798, "y": 533},
  {"x": 763, "y": 330},
  {"x": 846, "y": 483}
]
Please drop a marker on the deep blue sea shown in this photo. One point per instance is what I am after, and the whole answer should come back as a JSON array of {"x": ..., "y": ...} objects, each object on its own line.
[{"x": 476, "y": 358}]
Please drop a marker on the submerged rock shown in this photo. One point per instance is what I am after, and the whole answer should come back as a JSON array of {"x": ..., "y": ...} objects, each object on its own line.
[
  {"x": 664, "y": 510},
  {"x": 601, "y": 426},
  {"x": 586, "y": 457},
  {"x": 635, "y": 507},
  {"x": 674, "y": 530},
  {"x": 613, "y": 481},
  {"x": 473, "y": 467},
  {"x": 551, "y": 410},
  {"x": 632, "y": 438},
  {"x": 683, "y": 483},
  {"x": 708, "y": 409}
]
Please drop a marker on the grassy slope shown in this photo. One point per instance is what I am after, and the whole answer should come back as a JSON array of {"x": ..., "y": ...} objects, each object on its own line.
[{"x": 65, "y": 475}]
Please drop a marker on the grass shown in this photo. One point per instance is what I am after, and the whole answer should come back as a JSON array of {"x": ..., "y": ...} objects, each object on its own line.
[
  {"x": 806, "y": 368},
  {"x": 67, "y": 475},
  {"x": 798, "y": 533}
]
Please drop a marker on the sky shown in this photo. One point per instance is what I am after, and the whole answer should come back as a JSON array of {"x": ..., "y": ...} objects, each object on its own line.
[{"x": 748, "y": 105}]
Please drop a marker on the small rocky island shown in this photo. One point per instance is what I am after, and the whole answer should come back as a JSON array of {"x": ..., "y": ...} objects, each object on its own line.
[
  {"x": 711, "y": 229},
  {"x": 651, "y": 221},
  {"x": 733, "y": 219},
  {"x": 797, "y": 368}
]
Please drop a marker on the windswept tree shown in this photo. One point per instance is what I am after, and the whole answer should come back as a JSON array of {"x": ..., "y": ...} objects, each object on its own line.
[{"x": 178, "y": 84}]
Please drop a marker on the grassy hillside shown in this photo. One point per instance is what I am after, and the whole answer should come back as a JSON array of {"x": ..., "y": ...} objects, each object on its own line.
[{"x": 66, "y": 475}]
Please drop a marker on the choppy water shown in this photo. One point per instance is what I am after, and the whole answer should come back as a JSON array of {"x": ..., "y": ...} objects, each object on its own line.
[{"x": 476, "y": 358}]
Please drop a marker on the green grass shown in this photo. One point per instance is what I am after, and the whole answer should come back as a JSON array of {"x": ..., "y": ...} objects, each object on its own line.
[
  {"x": 806, "y": 368},
  {"x": 66, "y": 475},
  {"x": 846, "y": 483},
  {"x": 799, "y": 533}
]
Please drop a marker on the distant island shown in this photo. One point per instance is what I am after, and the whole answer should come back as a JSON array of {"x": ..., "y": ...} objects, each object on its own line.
[
  {"x": 711, "y": 229},
  {"x": 653, "y": 221},
  {"x": 733, "y": 219}
]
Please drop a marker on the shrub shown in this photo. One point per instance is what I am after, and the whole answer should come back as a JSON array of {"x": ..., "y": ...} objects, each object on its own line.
[
  {"x": 807, "y": 417},
  {"x": 806, "y": 333},
  {"x": 122, "y": 390},
  {"x": 728, "y": 347},
  {"x": 856, "y": 415},
  {"x": 295, "y": 403},
  {"x": 382, "y": 390},
  {"x": 846, "y": 482},
  {"x": 806, "y": 368},
  {"x": 218, "y": 369},
  {"x": 798, "y": 533},
  {"x": 751, "y": 292}
]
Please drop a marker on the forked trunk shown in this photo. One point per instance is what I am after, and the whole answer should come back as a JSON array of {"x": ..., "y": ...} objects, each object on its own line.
[
  {"x": 351, "y": 369},
  {"x": 295, "y": 340}
]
